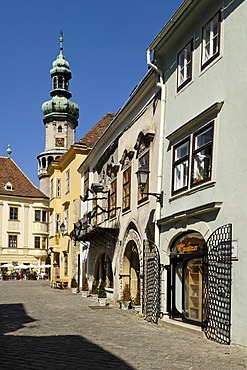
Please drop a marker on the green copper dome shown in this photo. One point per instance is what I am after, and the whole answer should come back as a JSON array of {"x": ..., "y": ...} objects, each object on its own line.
[
  {"x": 60, "y": 66},
  {"x": 60, "y": 102}
]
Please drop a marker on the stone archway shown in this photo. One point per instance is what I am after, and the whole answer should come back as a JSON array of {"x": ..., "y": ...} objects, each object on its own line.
[
  {"x": 131, "y": 264},
  {"x": 131, "y": 268}
]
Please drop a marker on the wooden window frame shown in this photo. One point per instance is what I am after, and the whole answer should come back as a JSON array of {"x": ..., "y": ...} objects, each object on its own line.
[
  {"x": 37, "y": 242},
  {"x": 57, "y": 222},
  {"x": 86, "y": 182},
  {"x": 13, "y": 241},
  {"x": 44, "y": 216},
  {"x": 183, "y": 63},
  {"x": 44, "y": 242},
  {"x": 113, "y": 198},
  {"x": 207, "y": 147},
  {"x": 144, "y": 161},
  {"x": 212, "y": 36},
  {"x": 66, "y": 219},
  {"x": 192, "y": 157},
  {"x": 51, "y": 189},
  {"x": 58, "y": 188},
  {"x": 126, "y": 196},
  {"x": 67, "y": 181},
  {"x": 37, "y": 215},
  {"x": 178, "y": 162},
  {"x": 13, "y": 213}
]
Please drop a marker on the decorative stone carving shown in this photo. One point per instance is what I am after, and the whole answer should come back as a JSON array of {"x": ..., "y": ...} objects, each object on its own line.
[
  {"x": 126, "y": 158},
  {"x": 143, "y": 142}
]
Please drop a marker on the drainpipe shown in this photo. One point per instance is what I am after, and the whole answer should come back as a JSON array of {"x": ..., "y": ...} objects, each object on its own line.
[{"x": 161, "y": 85}]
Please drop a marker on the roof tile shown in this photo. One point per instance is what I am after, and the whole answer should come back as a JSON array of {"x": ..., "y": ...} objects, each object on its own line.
[
  {"x": 93, "y": 135},
  {"x": 21, "y": 185}
]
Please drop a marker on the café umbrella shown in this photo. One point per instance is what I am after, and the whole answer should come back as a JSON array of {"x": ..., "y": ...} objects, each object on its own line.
[
  {"x": 21, "y": 267},
  {"x": 7, "y": 265},
  {"x": 43, "y": 266}
]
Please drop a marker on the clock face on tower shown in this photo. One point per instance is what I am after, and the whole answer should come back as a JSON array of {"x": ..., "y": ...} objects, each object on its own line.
[{"x": 59, "y": 142}]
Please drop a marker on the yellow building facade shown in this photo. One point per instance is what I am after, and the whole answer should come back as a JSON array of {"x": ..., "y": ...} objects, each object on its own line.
[{"x": 65, "y": 191}]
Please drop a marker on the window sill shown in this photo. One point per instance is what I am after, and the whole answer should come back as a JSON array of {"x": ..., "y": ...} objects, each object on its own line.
[
  {"x": 193, "y": 190},
  {"x": 126, "y": 212},
  {"x": 210, "y": 63},
  {"x": 184, "y": 86},
  {"x": 143, "y": 203}
]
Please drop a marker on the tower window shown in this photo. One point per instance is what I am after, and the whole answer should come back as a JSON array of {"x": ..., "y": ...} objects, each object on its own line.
[
  {"x": 55, "y": 83},
  {"x": 60, "y": 83},
  {"x": 50, "y": 159},
  {"x": 43, "y": 162},
  {"x": 60, "y": 129}
]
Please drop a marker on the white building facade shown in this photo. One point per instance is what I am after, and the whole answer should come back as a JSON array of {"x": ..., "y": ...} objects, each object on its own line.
[
  {"x": 117, "y": 221},
  {"x": 23, "y": 218}
]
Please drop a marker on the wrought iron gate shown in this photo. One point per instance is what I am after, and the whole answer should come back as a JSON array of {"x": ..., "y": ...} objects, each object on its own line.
[
  {"x": 151, "y": 281},
  {"x": 217, "y": 285}
]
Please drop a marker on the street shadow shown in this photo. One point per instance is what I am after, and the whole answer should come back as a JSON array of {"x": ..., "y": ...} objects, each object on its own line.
[
  {"x": 13, "y": 317},
  {"x": 48, "y": 352}
]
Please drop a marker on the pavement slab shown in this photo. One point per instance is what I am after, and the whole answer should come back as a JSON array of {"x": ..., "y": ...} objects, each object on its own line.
[{"x": 46, "y": 328}]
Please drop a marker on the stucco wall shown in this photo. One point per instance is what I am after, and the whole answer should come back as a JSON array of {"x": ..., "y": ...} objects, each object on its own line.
[{"x": 224, "y": 81}]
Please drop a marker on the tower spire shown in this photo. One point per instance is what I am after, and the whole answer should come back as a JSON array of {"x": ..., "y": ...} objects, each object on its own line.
[
  {"x": 61, "y": 42},
  {"x": 60, "y": 118}
]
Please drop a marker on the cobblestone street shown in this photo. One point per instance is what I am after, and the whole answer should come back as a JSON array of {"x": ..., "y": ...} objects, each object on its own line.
[{"x": 43, "y": 328}]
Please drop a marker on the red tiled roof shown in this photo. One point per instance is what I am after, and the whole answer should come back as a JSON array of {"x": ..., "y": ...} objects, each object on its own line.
[
  {"x": 21, "y": 185},
  {"x": 93, "y": 135}
]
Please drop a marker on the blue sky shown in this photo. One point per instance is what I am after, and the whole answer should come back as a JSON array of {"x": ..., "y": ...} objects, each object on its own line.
[{"x": 105, "y": 44}]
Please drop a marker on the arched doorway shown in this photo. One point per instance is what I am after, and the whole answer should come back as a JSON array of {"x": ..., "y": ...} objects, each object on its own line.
[
  {"x": 185, "y": 279},
  {"x": 131, "y": 270},
  {"x": 103, "y": 270}
]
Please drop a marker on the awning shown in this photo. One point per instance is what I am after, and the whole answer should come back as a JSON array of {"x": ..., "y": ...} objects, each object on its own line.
[{"x": 100, "y": 235}]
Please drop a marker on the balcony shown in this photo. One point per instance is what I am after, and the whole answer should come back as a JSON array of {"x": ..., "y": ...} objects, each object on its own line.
[
  {"x": 97, "y": 228},
  {"x": 40, "y": 227}
]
